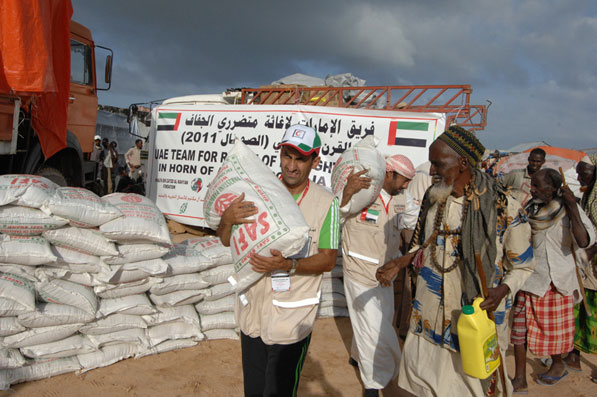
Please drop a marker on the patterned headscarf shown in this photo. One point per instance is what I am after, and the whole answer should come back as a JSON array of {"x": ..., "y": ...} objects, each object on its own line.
[
  {"x": 464, "y": 143},
  {"x": 400, "y": 164}
]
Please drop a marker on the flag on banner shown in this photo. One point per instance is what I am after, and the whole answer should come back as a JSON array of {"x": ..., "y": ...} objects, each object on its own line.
[
  {"x": 407, "y": 133},
  {"x": 168, "y": 121},
  {"x": 369, "y": 215}
]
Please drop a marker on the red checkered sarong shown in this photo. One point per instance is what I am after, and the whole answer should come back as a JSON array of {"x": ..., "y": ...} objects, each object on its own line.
[
  {"x": 549, "y": 322},
  {"x": 518, "y": 334}
]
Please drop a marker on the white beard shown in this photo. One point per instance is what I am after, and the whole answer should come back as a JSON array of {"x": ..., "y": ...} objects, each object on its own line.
[{"x": 440, "y": 192}]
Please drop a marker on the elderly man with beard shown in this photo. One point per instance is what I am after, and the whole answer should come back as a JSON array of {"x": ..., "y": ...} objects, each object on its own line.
[
  {"x": 585, "y": 334},
  {"x": 544, "y": 314},
  {"x": 467, "y": 214}
]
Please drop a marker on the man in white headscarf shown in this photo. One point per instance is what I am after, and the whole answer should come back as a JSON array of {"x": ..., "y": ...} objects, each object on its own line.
[{"x": 370, "y": 239}]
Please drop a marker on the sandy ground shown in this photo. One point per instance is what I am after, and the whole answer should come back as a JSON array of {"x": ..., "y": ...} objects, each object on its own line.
[{"x": 214, "y": 369}]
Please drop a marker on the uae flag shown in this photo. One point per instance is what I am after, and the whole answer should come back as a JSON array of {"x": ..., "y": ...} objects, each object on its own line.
[
  {"x": 369, "y": 215},
  {"x": 168, "y": 121},
  {"x": 408, "y": 133}
]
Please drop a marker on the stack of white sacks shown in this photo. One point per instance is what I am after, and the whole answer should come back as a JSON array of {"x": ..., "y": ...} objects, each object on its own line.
[
  {"x": 333, "y": 301},
  {"x": 88, "y": 281}
]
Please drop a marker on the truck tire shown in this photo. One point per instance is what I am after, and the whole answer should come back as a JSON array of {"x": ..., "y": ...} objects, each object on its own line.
[{"x": 53, "y": 174}]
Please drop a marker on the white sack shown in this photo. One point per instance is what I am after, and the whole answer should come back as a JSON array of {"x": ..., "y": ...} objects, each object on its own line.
[
  {"x": 81, "y": 207},
  {"x": 64, "y": 273},
  {"x": 11, "y": 358},
  {"x": 225, "y": 304},
  {"x": 329, "y": 285},
  {"x": 178, "y": 298},
  {"x": 26, "y": 190},
  {"x": 137, "y": 270},
  {"x": 183, "y": 260},
  {"x": 167, "y": 346},
  {"x": 332, "y": 311},
  {"x": 279, "y": 223},
  {"x": 131, "y": 335},
  {"x": 131, "y": 304},
  {"x": 52, "y": 314},
  {"x": 89, "y": 241},
  {"x": 36, "y": 336},
  {"x": 125, "y": 289},
  {"x": 71, "y": 346},
  {"x": 174, "y": 330},
  {"x": 106, "y": 356},
  {"x": 27, "y": 272},
  {"x": 67, "y": 293},
  {"x": 332, "y": 299},
  {"x": 224, "y": 320},
  {"x": 218, "y": 275},
  {"x": 179, "y": 283},
  {"x": 135, "y": 252},
  {"x": 219, "y": 291},
  {"x": 184, "y": 313},
  {"x": 10, "y": 326},
  {"x": 142, "y": 222},
  {"x": 25, "y": 250},
  {"x": 25, "y": 221},
  {"x": 73, "y": 257},
  {"x": 211, "y": 247},
  {"x": 40, "y": 369},
  {"x": 113, "y": 323},
  {"x": 17, "y": 295},
  {"x": 362, "y": 156},
  {"x": 214, "y": 334}
]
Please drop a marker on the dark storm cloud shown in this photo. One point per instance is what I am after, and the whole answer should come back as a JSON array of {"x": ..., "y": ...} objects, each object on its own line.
[{"x": 533, "y": 59}]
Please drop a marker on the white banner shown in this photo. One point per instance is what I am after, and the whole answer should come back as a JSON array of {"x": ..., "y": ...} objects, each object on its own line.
[{"x": 188, "y": 143}]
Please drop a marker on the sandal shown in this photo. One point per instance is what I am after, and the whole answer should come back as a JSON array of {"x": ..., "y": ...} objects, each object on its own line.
[{"x": 547, "y": 380}]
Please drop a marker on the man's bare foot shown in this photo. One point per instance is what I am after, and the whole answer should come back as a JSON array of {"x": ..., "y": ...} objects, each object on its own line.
[
  {"x": 519, "y": 384},
  {"x": 572, "y": 361}
]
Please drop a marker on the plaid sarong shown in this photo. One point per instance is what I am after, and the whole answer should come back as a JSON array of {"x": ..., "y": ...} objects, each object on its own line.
[
  {"x": 518, "y": 334},
  {"x": 549, "y": 322}
]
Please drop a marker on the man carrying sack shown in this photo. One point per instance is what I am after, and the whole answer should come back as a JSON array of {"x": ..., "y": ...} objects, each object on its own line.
[
  {"x": 277, "y": 313},
  {"x": 369, "y": 239}
]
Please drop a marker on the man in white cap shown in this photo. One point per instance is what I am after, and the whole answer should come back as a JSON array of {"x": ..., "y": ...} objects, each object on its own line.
[
  {"x": 277, "y": 321},
  {"x": 97, "y": 154},
  {"x": 370, "y": 239}
]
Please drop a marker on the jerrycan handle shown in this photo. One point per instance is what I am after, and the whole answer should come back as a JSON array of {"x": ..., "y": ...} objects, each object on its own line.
[{"x": 476, "y": 304}]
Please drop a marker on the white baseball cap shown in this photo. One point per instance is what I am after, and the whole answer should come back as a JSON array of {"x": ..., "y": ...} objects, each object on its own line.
[
  {"x": 303, "y": 138},
  {"x": 97, "y": 137}
]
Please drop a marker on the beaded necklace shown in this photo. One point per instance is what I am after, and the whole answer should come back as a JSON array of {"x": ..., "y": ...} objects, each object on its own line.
[{"x": 437, "y": 230}]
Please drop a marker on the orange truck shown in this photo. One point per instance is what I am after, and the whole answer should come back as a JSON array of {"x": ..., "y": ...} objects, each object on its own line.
[{"x": 48, "y": 92}]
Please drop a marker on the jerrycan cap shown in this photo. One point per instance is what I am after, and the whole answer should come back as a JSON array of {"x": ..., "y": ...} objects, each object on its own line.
[{"x": 468, "y": 309}]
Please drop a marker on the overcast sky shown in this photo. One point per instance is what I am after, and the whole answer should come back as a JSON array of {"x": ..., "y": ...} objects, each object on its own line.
[{"x": 535, "y": 60}]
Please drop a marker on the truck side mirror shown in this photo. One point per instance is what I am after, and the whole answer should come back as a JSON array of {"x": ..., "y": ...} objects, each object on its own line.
[
  {"x": 107, "y": 67},
  {"x": 108, "y": 70}
]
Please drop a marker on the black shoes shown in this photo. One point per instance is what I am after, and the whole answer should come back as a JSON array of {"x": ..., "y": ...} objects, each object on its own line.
[{"x": 353, "y": 362}]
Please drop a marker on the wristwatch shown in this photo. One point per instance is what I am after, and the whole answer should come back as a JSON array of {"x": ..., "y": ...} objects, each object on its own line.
[{"x": 293, "y": 268}]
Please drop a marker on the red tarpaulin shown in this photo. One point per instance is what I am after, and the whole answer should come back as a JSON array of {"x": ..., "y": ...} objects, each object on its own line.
[{"x": 35, "y": 63}]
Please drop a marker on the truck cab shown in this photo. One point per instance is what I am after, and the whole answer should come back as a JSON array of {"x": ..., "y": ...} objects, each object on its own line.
[{"x": 20, "y": 148}]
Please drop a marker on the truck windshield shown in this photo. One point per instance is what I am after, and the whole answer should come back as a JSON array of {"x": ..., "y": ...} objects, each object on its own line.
[{"x": 80, "y": 63}]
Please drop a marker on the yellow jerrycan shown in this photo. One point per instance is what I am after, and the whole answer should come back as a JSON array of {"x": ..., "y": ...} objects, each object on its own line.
[{"x": 478, "y": 341}]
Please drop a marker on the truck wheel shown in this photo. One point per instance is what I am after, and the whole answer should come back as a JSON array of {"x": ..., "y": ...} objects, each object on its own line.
[{"x": 53, "y": 174}]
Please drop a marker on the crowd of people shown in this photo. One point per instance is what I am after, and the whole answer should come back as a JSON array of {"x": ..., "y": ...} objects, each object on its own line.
[
  {"x": 114, "y": 176},
  {"x": 435, "y": 239}
]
